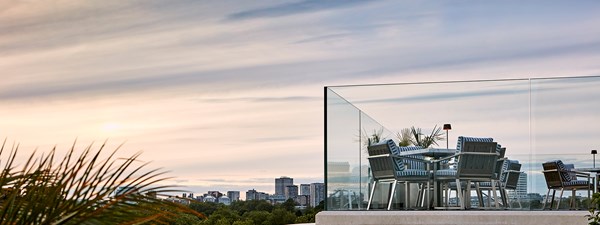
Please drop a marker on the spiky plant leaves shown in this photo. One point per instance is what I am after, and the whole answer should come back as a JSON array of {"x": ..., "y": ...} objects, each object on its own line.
[
  {"x": 404, "y": 137},
  {"x": 84, "y": 189},
  {"x": 417, "y": 138}
]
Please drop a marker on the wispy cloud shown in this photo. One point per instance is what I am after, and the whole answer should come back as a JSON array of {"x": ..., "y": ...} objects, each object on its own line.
[
  {"x": 286, "y": 9},
  {"x": 286, "y": 99}
]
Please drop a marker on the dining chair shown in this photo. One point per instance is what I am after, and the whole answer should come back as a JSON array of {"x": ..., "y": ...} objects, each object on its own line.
[
  {"x": 387, "y": 166},
  {"x": 558, "y": 177},
  {"x": 476, "y": 163}
]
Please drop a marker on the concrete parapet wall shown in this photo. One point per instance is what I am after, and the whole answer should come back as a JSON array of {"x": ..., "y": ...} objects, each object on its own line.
[{"x": 450, "y": 217}]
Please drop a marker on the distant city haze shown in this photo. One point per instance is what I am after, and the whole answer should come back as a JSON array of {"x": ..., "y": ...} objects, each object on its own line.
[{"x": 228, "y": 95}]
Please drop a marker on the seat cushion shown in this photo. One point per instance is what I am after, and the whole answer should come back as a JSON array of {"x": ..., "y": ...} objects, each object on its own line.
[
  {"x": 576, "y": 183},
  {"x": 446, "y": 173},
  {"x": 412, "y": 173}
]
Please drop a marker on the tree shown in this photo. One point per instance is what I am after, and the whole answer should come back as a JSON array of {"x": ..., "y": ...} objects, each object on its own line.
[
  {"x": 289, "y": 205},
  {"x": 257, "y": 217},
  {"x": 281, "y": 217},
  {"x": 206, "y": 208}
]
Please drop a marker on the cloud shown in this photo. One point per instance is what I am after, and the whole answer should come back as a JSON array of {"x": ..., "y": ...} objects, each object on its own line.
[
  {"x": 304, "y": 6},
  {"x": 286, "y": 99}
]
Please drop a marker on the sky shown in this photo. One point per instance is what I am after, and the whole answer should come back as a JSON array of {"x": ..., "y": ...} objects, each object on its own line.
[{"x": 228, "y": 95}]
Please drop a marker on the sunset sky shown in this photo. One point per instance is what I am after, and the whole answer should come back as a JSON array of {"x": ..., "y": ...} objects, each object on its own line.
[{"x": 228, "y": 95}]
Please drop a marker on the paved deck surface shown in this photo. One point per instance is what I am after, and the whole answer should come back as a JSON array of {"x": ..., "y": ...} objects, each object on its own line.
[{"x": 450, "y": 217}]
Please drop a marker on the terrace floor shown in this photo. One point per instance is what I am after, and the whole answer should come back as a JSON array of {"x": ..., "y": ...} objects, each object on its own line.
[{"x": 450, "y": 217}]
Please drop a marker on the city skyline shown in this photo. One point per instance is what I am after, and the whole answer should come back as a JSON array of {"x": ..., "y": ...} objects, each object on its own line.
[{"x": 228, "y": 95}]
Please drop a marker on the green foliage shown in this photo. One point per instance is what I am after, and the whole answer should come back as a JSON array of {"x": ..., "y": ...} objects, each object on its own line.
[
  {"x": 594, "y": 207},
  {"x": 81, "y": 190},
  {"x": 206, "y": 208},
  {"x": 257, "y": 212},
  {"x": 281, "y": 216},
  {"x": 425, "y": 141},
  {"x": 257, "y": 217},
  {"x": 289, "y": 205},
  {"x": 185, "y": 219}
]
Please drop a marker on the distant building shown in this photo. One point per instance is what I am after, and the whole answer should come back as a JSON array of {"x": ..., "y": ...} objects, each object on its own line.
[
  {"x": 255, "y": 195},
  {"x": 215, "y": 194},
  {"x": 224, "y": 200},
  {"x": 210, "y": 198},
  {"x": 304, "y": 189},
  {"x": 281, "y": 183},
  {"x": 251, "y": 195},
  {"x": 291, "y": 191},
  {"x": 277, "y": 199},
  {"x": 263, "y": 196},
  {"x": 178, "y": 200},
  {"x": 233, "y": 195},
  {"x": 317, "y": 193},
  {"x": 302, "y": 200}
]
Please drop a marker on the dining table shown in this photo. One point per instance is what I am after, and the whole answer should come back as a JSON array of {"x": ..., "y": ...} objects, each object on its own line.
[{"x": 433, "y": 154}]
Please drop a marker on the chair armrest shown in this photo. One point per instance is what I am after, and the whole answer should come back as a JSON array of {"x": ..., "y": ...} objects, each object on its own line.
[
  {"x": 378, "y": 156},
  {"x": 445, "y": 158},
  {"x": 463, "y": 153},
  {"x": 579, "y": 173},
  {"x": 410, "y": 158}
]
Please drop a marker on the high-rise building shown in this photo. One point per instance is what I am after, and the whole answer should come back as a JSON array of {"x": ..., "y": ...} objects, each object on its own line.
[
  {"x": 304, "y": 189},
  {"x": 215, "y": 194},
  {"x": 233, "y": 195},
  {"x": 317, "y": 193},
  {"x": 251, "y": 195},
  {"x": 255, "y": 195},
  {"x": 291, "y": 191},
  {"x": 281, "y": 183}
]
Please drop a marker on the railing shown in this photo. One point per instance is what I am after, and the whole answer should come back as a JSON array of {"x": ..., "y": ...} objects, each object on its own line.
[{"x": 537, "y": 120}]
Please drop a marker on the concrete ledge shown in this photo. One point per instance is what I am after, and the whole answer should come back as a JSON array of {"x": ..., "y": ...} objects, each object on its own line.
[{"x": 450, "y": 217}]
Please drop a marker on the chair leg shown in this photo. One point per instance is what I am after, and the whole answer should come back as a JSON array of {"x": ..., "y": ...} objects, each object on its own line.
[
  {"x": 371, "y": 195},
  {"x": 459, "y": 194},
  {"x": 495, "y": 195},
  {"x": 573, "y": 202},
  {"x": 406, "y": 195},
  {"x": 467, "y": 195},
  {"x": 518, "y": 200},
  {"x": 427, "y": 196},
  {"x": 447, "y": 191},
  {"x": 560, "y": 198},
  {"x": 392, "y": 195},
  {"x": 504, "y": 196}
]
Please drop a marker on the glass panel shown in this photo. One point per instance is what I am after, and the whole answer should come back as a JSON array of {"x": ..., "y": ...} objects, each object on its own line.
[
  {"x": 343, "y": 153},
  {"x": 373, "y": 132},
  {"x": 497, "y": 109},
  {"x": 564, "y": 118}
]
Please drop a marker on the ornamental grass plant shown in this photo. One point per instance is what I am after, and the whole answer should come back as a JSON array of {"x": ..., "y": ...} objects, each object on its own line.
[{"x": 93, "y": 186}]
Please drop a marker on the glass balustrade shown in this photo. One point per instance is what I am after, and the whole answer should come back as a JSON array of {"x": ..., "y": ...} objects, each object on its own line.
[{"x": 536, "y": 120}]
